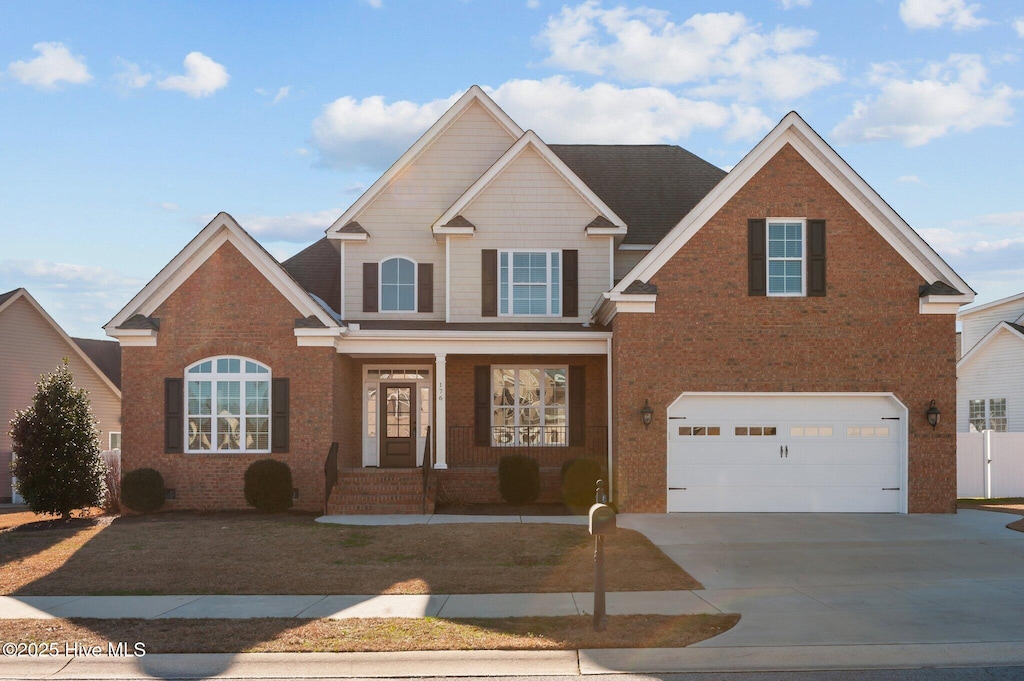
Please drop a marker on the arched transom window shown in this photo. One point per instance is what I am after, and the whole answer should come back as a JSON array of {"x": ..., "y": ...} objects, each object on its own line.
[
  {"x": 398, "y": 285},
  {"x": 228, "y": 403}
]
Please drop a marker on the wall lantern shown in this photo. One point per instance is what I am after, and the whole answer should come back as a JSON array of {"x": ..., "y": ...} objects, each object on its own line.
[
  {"x": 647, "y": 414},
  {"x": 933, "y": 414}
]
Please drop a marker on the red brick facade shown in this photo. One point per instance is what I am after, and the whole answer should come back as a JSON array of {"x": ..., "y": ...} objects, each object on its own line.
[{"x": 865, "y": 335}]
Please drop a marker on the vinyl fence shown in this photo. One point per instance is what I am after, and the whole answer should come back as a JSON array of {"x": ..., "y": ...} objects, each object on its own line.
[{"x": 990, "y": 465}]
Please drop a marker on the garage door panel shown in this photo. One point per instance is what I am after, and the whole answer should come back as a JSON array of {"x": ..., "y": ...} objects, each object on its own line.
[{"x": 792, "y": 499}]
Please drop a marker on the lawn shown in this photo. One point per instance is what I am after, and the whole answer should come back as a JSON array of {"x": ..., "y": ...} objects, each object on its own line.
[{"x": 251, "y": 553}]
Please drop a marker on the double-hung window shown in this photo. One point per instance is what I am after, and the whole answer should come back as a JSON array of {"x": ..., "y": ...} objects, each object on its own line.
[
  {"x": 228, "y": 403},
  {"x": 398, "y": 285},
  {"x": 529, "y": 283},
  {"x": 786, "y": 256},
  {"x": 529, "y": 406},
  {"x": 987, "y": 415}
]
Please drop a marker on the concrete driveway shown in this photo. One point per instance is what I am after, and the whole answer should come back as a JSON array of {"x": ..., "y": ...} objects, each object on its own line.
[{"x": 827, "y": 579}]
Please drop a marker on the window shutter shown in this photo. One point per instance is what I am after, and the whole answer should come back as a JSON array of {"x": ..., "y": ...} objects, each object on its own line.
[
  {"x": 815, "y": 257},
  {"x": 279, "y": 415},
  {"x": 174, "y": 415},
  {"x": 482, "y": 405},
  {"x": 757, "y": 265},
  {"x": 570, "y": 283},
  {"x": 425, "y": 288},
  {"x": 369, "y": 287},
  {"x": 577, "y": 406},
  {"x": 489, "y": 283}
]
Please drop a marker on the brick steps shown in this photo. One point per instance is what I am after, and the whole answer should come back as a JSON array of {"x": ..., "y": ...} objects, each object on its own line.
[{"x": 378, "y": 491}]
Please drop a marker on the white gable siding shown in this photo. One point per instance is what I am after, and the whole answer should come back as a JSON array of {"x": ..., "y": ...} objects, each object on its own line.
[
  {"x": 977, "y": 325},
  {"x": 528, "y": 206},
  {"x": 995, "y": 373},
  {"x": 399, "y": 219},
  {"x": 625, "y": 261}
]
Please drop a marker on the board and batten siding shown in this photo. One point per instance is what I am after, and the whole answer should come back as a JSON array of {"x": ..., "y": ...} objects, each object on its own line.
[
  {"x": 399, "y": 219},
  {"x": 975, "y": 326},
  {"x": 30, "y": 347},
  {"x": 528, "y": 206},
  {"x": 992, "y": 375}
]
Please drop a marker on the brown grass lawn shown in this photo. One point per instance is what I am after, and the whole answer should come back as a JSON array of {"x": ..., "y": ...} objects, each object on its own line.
[
  {"x": 250, "y": 553},
  {"x": 1011, "y": 505},
  {"x": 373, "y": 635}
]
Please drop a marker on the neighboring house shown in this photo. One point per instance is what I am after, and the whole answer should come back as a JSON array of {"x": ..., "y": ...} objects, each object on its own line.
[
  {"x": 33, "y": 344},
  {"x": 763, "y": 340},
  {"x": 990, "y": 392}
]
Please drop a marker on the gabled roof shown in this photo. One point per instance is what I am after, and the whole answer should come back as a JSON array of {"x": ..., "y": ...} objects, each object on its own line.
[
  {"x": 1015, "y": 331},
  {"x": 318, "y": 270},
  {"x": 222, "y": 229},
  {"x": 529, "y": 140},
  {"x": 987, "y": 306},
  {"x": 793, "y": 130},
  {"x": 104, "y": 355},
  {"x": 650, "y": 186},
  {"x": 473, "y": 94}
]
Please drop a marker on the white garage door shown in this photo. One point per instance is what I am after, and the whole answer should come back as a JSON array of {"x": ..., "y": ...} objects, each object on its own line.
[{"x": 799, "y": 452}]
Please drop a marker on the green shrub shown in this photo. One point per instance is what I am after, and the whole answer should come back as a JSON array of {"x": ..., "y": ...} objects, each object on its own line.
[
  {"x": 268, "y": 485},
  {"x": 518, "y": 479},
  {"x": 142, "y": 490},
  {"x": 579, "y": 481}
]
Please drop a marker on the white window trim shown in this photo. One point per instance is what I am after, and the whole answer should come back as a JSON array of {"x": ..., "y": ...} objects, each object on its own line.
[
  {"x": 110, "y": 439},
  {"x": 547, "y": 284},
  {"x": 213, "y": 377},
  {"x": 517, "y": 407},
  {"x": 768, "y": 259},
  {"x": 987, "y": 403},
  {"x": 415, "y": 285},
  {"x": 371, "y": 444}
]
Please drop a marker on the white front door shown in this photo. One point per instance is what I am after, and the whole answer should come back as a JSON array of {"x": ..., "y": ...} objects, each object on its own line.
[{"x": 796, "y": 452}]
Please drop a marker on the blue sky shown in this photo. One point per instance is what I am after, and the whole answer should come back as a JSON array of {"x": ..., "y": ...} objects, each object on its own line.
[{"x": 125, "y": 126}]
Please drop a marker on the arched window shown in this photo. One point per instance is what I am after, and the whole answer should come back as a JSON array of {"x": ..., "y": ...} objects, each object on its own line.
[
  {"x": 228, "y": 403},
  {"x": 398, "y": 285}
]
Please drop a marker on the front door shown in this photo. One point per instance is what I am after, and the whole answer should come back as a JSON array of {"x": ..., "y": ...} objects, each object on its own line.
[{"x": 398, "y": 421}]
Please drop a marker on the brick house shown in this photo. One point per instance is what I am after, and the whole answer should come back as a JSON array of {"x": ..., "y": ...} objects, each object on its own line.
[{"x": 763, "y": 340}]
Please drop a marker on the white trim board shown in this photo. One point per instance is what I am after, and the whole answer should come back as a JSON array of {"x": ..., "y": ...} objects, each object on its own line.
[{"x": 988, "y": 306}]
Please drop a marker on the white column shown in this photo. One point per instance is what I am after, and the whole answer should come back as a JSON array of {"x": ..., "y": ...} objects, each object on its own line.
[{"x": 440, "y": 418}]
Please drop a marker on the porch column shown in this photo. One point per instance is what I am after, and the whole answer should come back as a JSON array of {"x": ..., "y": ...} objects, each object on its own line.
[{"x": 440, "y": 417}]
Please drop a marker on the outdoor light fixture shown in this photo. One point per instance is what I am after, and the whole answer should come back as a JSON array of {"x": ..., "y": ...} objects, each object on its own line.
[
  {"x": 647, "y": 414},
  {"x": 933, "y": 415}
]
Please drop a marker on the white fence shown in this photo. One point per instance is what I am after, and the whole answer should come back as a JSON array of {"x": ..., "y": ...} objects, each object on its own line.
[{"x": 989, "y": 465}]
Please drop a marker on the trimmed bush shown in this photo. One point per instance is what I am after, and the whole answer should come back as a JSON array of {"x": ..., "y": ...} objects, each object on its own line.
[
  {"x": 268, "y": 485},
  {"x": 579, "y": 481},
  {"x": 518, "y": 479},
  {"x": 142, "y": 490}
]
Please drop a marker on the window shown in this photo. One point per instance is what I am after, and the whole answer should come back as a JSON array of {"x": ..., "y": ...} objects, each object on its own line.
[
  {"x": 228, "y": 403},
  {"x": 529, "y": 283},
  {"x": 529, "y": 406},
  {"x": 810, "y": 431},
  {"x": 115, "y": 441},
  {"x": 700, "y": 430},
  {"x": 867, "y": 431},
  {"x": 987, "y": 415},
  {"x": 398, "y": 285},
  {"x": 786, "y": 257},
  {"x": 744, "y": 431}
]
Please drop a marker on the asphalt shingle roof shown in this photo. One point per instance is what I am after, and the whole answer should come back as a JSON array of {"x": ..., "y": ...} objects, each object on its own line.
[{"x": 106, "y": 355}]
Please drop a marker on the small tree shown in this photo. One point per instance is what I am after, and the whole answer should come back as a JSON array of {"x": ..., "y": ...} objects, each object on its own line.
[{"x": 57, "y": 449}]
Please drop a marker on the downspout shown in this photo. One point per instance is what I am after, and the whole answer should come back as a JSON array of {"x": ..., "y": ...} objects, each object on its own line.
[{"x": 608, "y": 382}]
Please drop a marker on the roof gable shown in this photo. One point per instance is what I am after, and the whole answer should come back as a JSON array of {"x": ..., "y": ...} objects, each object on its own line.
[
  {"x": 475, "y": 95},
  {"x": 8, "y": 299},
  {"x": 222, "y": 229},
  {"x": 1014, "y": 330},
  {"x": 529, "y": 141},
  {"x": 1009, "y": 300},
  {"x": 794, "y": 131}
]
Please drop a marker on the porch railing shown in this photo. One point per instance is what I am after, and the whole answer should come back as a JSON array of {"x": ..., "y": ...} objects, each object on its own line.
[
  {"x": 548, "y": 444},
  {"x": 330, "y": 473}
]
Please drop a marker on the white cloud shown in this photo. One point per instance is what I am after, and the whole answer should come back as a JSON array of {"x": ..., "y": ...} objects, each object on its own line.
[
  {"x": 950, "y": 96},
  {"x": 376, "y": 4},
  {"x": 938, "y": 13},
  {"x": 202, "y": 77},
  {"x": 532, "y": 4},
  {"x": 987, "y": 251},
  {"x": 721, "y": 54},
  {"x": 282, "y": 94},
  {"x": 169, "y": 205},
  {"x": 300, "y": 227},
  {"x": 131, "y": 76},
  {"x": 54, "y": 65},
  {"x": 909, "y": 179},
  {"x": 790, "y": 4},
  {"x": 1018, "y": 26},
  {"x": 371, "y": 133}
]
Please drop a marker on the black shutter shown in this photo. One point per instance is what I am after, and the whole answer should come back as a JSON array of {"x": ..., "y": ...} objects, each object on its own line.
[
  {"x": 577, "y": 406},
  {"x": 279, "y": 415},
  {"x": 425, "y": 288},
  {"x": 174, "y": 415},
  {"x": 815, "y": 257},
  {"x": 369, "y": 287},
  {"x": 757, "y": 284},
  {"x": 482, "y": 406},
  {"x": 570, "y": 283},
  {"x": 489, "y": 283}
]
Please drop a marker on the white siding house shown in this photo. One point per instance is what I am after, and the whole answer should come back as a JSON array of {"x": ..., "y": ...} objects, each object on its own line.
[{"x": 990, "y": 392}]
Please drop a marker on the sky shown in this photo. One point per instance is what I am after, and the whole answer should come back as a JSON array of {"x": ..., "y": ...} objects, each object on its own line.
[{"x": 126, "y": 126}]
